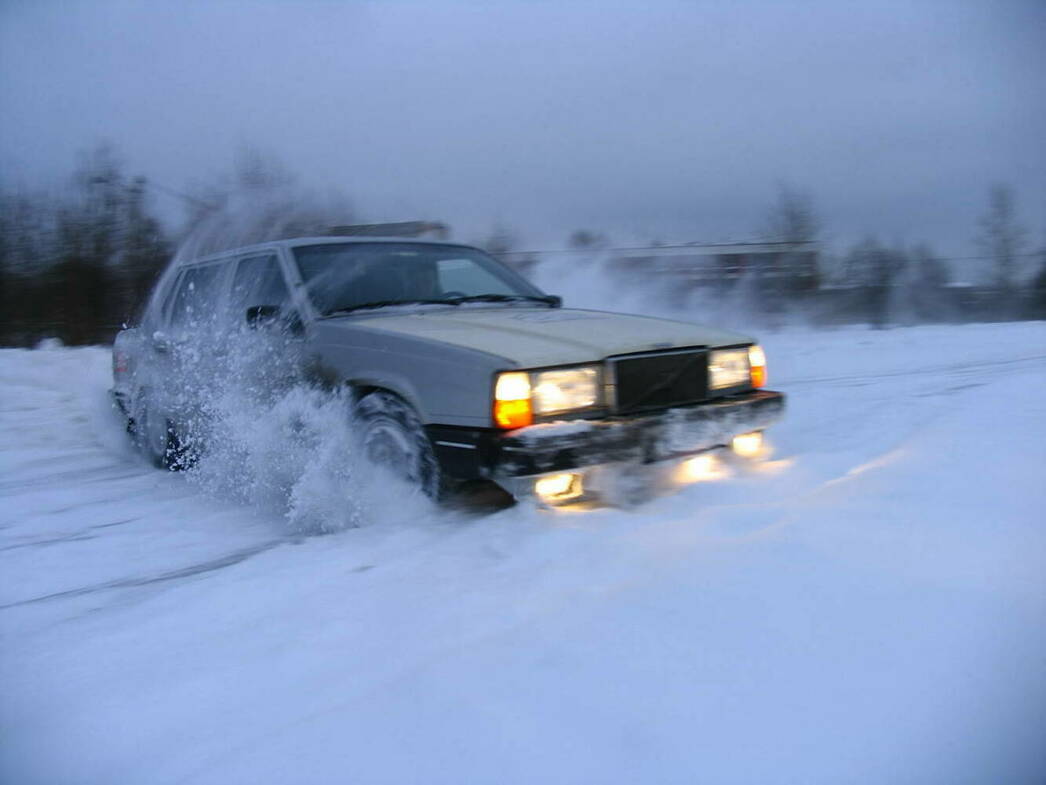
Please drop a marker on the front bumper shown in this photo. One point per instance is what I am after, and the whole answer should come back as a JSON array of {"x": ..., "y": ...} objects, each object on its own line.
[{"x": 643, "y": 439}]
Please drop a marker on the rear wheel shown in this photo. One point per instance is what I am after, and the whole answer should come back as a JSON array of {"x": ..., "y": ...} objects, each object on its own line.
[
  {"x": 393, "y": 438},
  {"x": 155, "y": 436}
]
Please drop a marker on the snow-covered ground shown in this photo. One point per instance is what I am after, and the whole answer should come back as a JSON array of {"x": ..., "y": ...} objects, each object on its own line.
[{"x": 867, "y": 607}]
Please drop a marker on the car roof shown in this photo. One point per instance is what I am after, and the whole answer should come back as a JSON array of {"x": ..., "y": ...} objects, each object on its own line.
[{"x": 296, "y": 242}]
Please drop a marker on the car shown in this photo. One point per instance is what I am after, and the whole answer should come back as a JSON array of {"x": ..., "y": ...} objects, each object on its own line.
[{"x": 457, "y": 370}]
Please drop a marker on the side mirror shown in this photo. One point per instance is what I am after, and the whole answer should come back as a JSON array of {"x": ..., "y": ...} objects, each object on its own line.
[
  {"x": 555, "y": 300},
  {"x": 262, "y": 315},
  {"x": 274, "y": 317}
]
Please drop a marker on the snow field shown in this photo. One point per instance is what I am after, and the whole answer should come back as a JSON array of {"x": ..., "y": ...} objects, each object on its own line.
[{"x": 867, "y": 606}]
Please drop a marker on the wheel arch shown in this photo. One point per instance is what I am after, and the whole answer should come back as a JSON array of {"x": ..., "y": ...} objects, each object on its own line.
[
  {"x": 362, "y": 387},
  {"x": 430, "y": 472}
]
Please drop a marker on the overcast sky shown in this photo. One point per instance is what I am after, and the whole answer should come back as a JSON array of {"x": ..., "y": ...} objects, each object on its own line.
[{"x": 644, "y": 119}]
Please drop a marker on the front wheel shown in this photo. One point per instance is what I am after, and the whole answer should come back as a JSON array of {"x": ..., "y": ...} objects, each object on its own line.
[{"x": 392, "y": 437}]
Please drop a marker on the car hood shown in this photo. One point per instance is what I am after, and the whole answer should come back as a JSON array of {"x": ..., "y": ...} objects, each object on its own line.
[{"x": 535, "y": 337}]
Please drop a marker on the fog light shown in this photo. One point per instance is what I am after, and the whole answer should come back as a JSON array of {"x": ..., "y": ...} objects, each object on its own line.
[
  {"x": 698, "y": 468},
  {"x": 554, "y": 488},
  {"x": 748, "y": 445}
]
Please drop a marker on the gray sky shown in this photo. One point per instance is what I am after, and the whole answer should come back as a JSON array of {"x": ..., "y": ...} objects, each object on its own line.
[{"x": 646, "y": 120}]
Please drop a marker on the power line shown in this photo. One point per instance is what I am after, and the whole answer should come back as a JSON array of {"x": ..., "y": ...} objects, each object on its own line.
[{"x": 712, "y": 252}]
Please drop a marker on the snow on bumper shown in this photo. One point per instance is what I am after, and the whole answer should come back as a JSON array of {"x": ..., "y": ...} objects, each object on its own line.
[{"x": 676, "y": 433}]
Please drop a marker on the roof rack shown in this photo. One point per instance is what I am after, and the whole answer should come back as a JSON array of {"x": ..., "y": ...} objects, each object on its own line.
[{"x": 434, "y": 229}]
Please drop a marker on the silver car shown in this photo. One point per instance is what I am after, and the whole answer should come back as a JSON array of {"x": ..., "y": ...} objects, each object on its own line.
[{"x": 459, "y": 370}]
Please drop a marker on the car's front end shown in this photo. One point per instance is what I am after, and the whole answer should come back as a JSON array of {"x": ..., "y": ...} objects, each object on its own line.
[
  {"x": 643, "y": 420},
  {"x": 547, "y": 402},
  {"x": 576, "y": 433}
]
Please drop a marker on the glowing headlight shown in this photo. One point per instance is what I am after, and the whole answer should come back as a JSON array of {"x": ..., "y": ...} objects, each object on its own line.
[
  {"x": 554, "y": 488},
  {"x": 728, "y": 368},
  {"x": 748, "y": 445},
  {"x": 698, "y": 468},
  {"x": 564, "y": 390},
  {"x": 519, "y": 395}
]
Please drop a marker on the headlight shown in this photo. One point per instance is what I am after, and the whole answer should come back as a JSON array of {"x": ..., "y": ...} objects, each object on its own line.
[
  {"x": 520, "y": 395},
  {"x": 564, "y": 390},
  {"x": 728, "y": 368}
]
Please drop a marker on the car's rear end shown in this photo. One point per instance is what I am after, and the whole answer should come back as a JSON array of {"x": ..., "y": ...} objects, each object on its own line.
[{"x": 125, "y": 350}]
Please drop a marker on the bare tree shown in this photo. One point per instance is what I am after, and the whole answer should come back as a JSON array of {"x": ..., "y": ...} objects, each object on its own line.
[
  {"x": 1037, "y": 296},
  {"x": 1002, "y": 238},
  {"x": 145, "y": 248},
  {"x": 255, "y": 170},
  {"x": 75, "y": 262},
  {"x": 876, "y": 270},
  {"x": 926, "y": 279},
  {"x": 931, "y": 272},
  {"x": 257, "y": 202},
  {"x": 792, "y": 219}
]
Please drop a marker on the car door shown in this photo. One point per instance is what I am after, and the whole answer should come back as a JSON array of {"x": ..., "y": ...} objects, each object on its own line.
[
  {"x": 259, "y": 294},
  {"x": 188, "y": 324},
  {"x": 267, "y": 322}
]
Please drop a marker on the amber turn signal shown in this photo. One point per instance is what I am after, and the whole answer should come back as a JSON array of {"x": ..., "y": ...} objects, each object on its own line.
[
  {"x": 513, "y": 414},
  {"x": 757, "y": 365},
  {"x": 512, "y": 407}
]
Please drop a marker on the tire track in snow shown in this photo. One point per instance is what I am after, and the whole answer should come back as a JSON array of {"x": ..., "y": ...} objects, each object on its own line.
[
  {"x": 1015, "y": 364},
  {"x": 104, "y": 474},
  {"x": 201, "y": 568}
]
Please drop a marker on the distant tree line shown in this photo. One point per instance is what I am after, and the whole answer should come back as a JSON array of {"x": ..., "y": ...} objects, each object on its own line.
[
  {"x": 77, "y": 263},
  {"x": 898, "y": 284},
  {"x": 872, "y": 282},
  {"x": 74, "y": 265}
]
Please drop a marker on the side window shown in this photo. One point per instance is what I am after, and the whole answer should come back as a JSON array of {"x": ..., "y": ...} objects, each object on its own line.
[
  {"x": 258, "y": 281},
  {"x": 467, "y": 277},
  {"x": 195, "y": 298}
]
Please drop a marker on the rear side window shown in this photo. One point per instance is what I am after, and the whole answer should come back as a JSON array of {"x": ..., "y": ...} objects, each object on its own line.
[
  {"x": 196, "y": 298},
  {"x": 258, "y": 281}
]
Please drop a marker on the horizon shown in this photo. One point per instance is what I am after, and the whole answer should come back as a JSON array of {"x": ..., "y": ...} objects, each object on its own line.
[{"x": 677, "y": 123}]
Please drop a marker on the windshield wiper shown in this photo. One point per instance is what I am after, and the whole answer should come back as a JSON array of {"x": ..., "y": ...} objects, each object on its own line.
[
  {"x": 550, "y": 299},
  {"x": 385, "y": 303}
]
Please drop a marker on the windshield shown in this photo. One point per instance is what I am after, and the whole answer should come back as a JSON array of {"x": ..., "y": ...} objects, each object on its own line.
[{"x": 347, "y": 276}]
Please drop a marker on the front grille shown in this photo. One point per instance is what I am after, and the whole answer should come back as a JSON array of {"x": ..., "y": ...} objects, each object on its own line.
[{"x": 643, "y": 382}]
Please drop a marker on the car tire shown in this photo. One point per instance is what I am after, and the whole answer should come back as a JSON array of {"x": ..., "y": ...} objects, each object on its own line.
[
  {"x": 155, "y": 437},
  {"x": 392, "y": 436}
]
